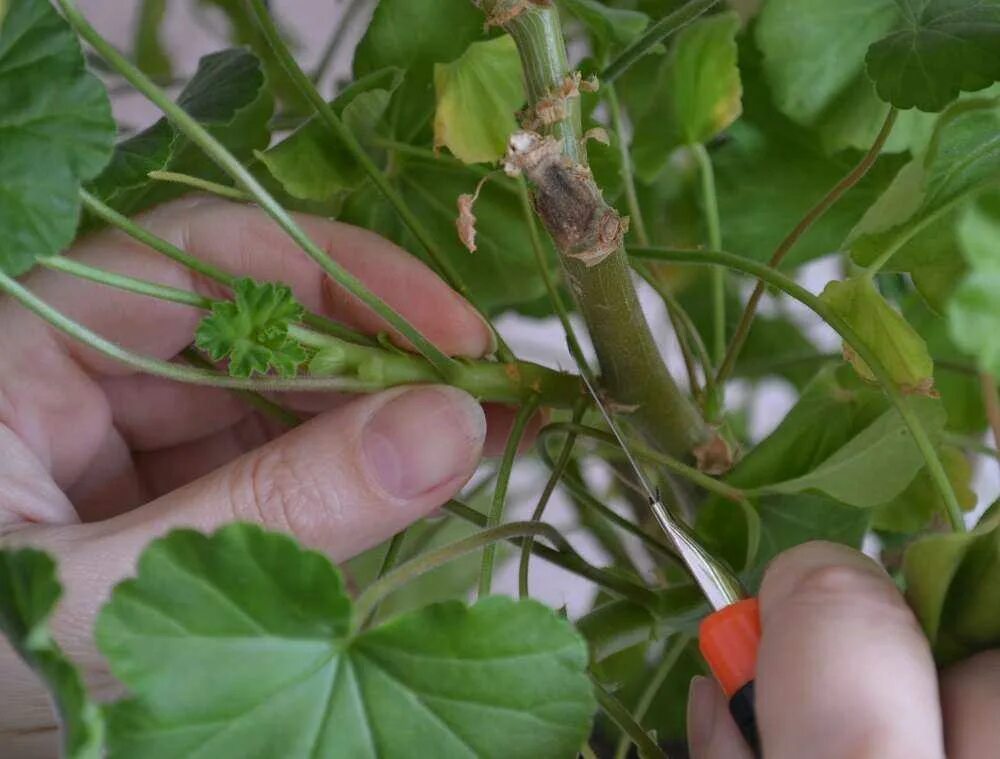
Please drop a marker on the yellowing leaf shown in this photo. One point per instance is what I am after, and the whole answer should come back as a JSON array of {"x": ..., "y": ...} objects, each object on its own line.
[
  {"x": 477, "y": 97},
  {"x": 885, "y": 332}
]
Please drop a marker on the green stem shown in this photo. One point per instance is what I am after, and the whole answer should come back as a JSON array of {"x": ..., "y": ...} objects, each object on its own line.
[
  {"x": 773, "y": 277},
  {"x": 166, "y": 369},
  {"x": 174, "y": 253},
  {"x": 670, "y": 657},
  {"x": 621, "y": 716},
  {"x": 640, "y": 451},
  {"x": 543, "y": 501},
  {"x": 197, "y": 183},
  {"x": 389, "y": 561},
  {"x": 326, "y": 57},
  {"x": 571, "y": 561},
  {"x": 243, "y": 178},
  {"x": 344, "y": 135},
  {"x": 633, "y": 371},
  {"x": 711, "y": 203},
  {"x": 991, "y": 402},
  {"x": 814, "y": 214},
  {"x": 495, "y": 517},
  {"x": 425, "y": 562},
  {"x": 515, "y": 383},
  {"x": 654, "y": 36},
  {"x": 257, "y": 401}
]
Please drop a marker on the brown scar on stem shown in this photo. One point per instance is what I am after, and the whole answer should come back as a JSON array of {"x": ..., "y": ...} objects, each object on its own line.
[
  {"x": 566, "y": 198},
  {"x": 598, "y": 134},
  {"x": 551, "y": 108},
  {"x": 714, "y": 456}
]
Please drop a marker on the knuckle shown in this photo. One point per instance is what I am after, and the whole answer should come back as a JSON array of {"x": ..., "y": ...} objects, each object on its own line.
[{"x": 273, "y": 489}]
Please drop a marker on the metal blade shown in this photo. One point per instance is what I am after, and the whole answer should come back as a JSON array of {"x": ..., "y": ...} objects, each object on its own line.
[{"x": 650, "y": 491}]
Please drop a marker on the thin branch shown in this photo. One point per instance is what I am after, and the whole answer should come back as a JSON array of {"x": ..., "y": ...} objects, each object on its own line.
[
  {"x": 991, "y": 402},
  {"x": 205, "y": 185},
  {"x": 814, "y": 214},
  {"x": 621, "y": 716},
  {"x": 710, "y": 202}
]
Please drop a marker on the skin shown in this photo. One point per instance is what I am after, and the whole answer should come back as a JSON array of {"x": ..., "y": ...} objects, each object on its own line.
[
  {"x": 844, "y": 671},
  {"x": 96, "y": 461}
]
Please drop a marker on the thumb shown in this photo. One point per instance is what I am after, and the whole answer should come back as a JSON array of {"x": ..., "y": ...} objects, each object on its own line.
[{"x": 342, "y": 482}]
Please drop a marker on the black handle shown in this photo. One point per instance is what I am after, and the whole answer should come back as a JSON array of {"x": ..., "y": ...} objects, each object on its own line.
[{"x": 741, "y": 706}]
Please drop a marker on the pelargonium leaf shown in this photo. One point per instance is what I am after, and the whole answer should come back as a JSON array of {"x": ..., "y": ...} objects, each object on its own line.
[
  {"x": 698, "y": 93},
  {"x": 610, "y": 26},
  {"x": 814, "y": 61},
  {"x": 251, "y": 331},
  {"x": 912, "y": 510},
  {"x": 311, "y": 163},
  {"x": 941, "y": 48},
  {"x": 952, "y": 583},
  {"x": 56, "y": 131},
  {"x": 477, "y": 96},
  {"x": 239, "y": 645},
  {"x": 228, "y": 96},
  {"x": 29, "y": 591},
  {"x": 884, "y": 331},
  {"x": 961, "y": 160}
]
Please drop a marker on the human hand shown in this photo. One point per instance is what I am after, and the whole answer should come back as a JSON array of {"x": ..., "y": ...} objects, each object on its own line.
[
  {"x": 96, "y": 461},
  {"x": 845, "y": 672}
]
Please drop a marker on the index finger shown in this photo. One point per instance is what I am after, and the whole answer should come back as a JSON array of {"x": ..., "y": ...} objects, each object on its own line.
[{"x": 843, "y": 669}]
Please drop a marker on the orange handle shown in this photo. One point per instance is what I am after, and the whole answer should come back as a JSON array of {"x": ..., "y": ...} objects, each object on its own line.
[{"x": 728, "y": 640}]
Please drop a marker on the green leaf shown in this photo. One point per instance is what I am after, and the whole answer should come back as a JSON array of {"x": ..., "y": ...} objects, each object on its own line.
[
  {"x": 884, "y": 331},
  {"x": 944, "y": 47},
  {"x": 413, "y": 35},
  {"x": 973, "y": 316},
  {"x": 477, "y": 96},
  {"x": 915, "y": 507},
  {"x": 29, "y": 591},
  {"x": 814, "y": 60},
  {"x": 610, "y": 27},
  {"x": 252, "y": 330},
  {"x": 962, "y": 158},
  {"x": 770, "y": 171},
  {"x": 149, "y": 53},
  {"x": 874, "y": 466},
  {"x": 227, "y": 95},
  {"x": 238, "y": 645},
  {"x": 952, "y": 584},
  {"x": 698, "y": 93},
  {"x": 502, "y": 273},
  {"x": 311, "y": 163},
  {"x": 56, "y": 131}
]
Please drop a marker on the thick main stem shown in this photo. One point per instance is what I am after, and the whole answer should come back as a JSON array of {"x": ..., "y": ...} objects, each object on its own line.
[{"x": 633, "y": 371}]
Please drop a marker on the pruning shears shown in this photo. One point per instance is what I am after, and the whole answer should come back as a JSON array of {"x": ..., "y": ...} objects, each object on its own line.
[{"x": 730, "y": 635}]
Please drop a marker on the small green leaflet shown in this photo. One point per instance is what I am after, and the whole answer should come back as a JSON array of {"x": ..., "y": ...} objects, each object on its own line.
[
  {"x": 973, "y": 311},
  {"x": 884, "y": 331},
  {"x": 953, "y": 586},
  {"x": 698, "y": 93},
  {"x": 477, "y": 96},
  {"x": 227, "y": 95},
  {"x": 311, "y": 163},
  {"x": 238, "y": 645},
  {"x": 252, "y": 330},
  {"x": 29, "y": 591},
  {"x": 56, "y": 131},
  {"x": 942, "y": 47},
  {"x": 874, "y": 466}
]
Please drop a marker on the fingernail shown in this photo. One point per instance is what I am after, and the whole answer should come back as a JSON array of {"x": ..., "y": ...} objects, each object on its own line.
[
  {"x": 423, "y": 439},
  {"x": 700, "y": 715}
]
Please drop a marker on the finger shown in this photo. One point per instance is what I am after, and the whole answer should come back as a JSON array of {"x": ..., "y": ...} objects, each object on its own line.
[
  {"x": 970, "y": 703},
  {"x": 64, "y": 414},
  {"x": 342, "y": 482},
  {"x": 844, "y": 669},
  {"x": 712, "y": 733}
]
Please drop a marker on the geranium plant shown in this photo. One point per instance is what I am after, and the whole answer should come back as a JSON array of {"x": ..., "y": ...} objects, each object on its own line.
[{"x": 707, "y": 149}]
